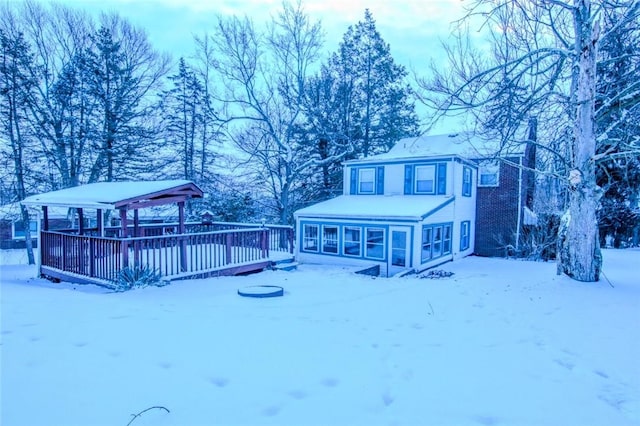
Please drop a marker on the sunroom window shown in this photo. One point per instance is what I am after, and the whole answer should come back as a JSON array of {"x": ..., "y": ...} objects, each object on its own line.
[
  {"x": 330, "y": 239},
  {"x": 310, "y": 239},
  {"x": 352, "y": 241},
  {"x": 375, "y": 243}
]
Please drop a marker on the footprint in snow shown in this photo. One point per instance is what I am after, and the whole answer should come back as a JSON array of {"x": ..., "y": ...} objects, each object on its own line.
[
  {"x": 165, "y": 365},
  {"x": 271, "y": 411},
  {"x": 80, "y": 344},
  {"x": 565, "y": 363},
  {"x": 219, "y": 381},
  {"x": 330, "y": 382},
  {"x": 297, "y": 394},
  {"x": 486, "y": 420}
]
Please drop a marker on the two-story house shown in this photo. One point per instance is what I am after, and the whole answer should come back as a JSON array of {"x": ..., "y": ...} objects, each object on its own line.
[{"x": 411, "y": 208}]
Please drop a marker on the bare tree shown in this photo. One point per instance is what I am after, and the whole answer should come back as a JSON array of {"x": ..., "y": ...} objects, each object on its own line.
[
  {"x": 542, "y": 64},
  {"x": 16, "y": 85},
  {"x": 264, "y": 75}
]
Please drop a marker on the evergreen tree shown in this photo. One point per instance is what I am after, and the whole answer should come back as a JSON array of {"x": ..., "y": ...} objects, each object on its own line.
[
  {"x": 376, "y": 106},
  {"x": 618, "y": 127},
  {"x": 181, "y": 106}
]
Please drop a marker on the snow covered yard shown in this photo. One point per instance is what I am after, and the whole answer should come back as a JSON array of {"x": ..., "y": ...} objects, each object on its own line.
[{"x": 501, "y": 342}]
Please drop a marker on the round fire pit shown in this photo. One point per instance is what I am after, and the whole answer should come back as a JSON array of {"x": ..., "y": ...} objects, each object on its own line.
[{"x": 261, "y": 291}]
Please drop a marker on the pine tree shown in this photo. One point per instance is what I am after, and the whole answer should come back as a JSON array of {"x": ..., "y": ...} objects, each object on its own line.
[
  {"x": 618, "y": 127},
  {"x": 377, "y": 107},
  {"x": 182, "y": 105}
]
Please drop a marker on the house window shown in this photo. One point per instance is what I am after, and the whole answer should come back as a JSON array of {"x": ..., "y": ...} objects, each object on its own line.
[
  {"x": 375, "y": 243},
  {"x": 310, "y": 238},
  {"x": 366, "y": 181},
  {"x": 425, "y": 179},
  {"x": 466, "y": 181},
  {"x": 426, "y": 243},
  {"x": 330, "y": 239},
  {"x": 489, "y": 173},
  {"x": 446, "y": 239},
  {"x": 18, "y": 230},
  {"x": 352, "y": 241},
  {"x": 436, "y": 241},
  {"x": 464, "y": 235}
]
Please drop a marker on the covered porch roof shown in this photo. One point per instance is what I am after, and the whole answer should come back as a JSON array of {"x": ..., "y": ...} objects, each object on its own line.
[
  {"x": 377, "y": 207},
  {"x": 119, "y": 195}
]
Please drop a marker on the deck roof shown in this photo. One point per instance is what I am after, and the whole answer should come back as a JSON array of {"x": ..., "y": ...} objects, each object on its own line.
[{"x": 117, "y": 195}]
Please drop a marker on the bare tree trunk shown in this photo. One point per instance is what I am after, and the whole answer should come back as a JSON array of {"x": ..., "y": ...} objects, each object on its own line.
[{"x": 579, "y": 247}]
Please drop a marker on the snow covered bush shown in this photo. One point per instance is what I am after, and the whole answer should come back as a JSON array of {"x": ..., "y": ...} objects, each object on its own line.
[{"x": 138, "y": 277}]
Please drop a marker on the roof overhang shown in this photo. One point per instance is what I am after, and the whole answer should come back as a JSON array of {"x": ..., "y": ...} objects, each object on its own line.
[{"x": 118, "y": 195}]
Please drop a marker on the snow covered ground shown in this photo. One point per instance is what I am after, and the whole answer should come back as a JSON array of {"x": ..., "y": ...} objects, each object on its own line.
[{"x": 501, "y": 342}]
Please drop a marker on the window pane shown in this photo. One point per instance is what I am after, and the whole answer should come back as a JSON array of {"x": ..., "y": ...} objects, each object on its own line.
[
  {"x": 446, "y": 243},
  {"x": 398, "y": 248},
  {"x": 310, "y": 240},
  {"x": 425, "y": 179},
  {"x": 330, "y": 239},
  {"x": 426, "y": 244},
  {"x": 488, "y": 173},
  {"x": 437, "y": 241},
  {"x": 367, "y": 181},
  {"x": 375, "y": 243},
  {"x": 352, "y": 241}
]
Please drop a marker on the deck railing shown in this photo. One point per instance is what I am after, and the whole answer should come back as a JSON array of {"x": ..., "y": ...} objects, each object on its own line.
[
  {"x": 280, "y": 236},
  {"x": 171, "y": 254}
]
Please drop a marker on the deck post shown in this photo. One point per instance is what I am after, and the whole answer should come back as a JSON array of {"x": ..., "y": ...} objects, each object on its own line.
[
  {"x": 80, "y": 221},
  {"x": 123, "y": 235},
  {"x": 290, "y": 238},
  {"x": 45, "y": 214},
  {"x": 183, "y": 241},
  {"x": 264, "y": 243},
  {"x": 99, "y": 223},
  {"x": 228, "y": 247}
]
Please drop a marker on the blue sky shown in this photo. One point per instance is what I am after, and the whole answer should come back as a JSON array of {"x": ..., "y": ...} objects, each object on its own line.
[{"x": 413, "y": 28}]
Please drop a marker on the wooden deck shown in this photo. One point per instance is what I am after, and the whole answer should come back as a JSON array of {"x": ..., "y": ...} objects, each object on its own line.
[{"x": 211, "y": 249}]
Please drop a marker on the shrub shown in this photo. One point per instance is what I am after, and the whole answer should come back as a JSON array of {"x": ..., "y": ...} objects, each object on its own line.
[{"x": 138, "y": 277}]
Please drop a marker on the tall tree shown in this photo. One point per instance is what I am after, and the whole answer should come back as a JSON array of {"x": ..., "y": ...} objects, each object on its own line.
[
  {"x": 181, "y": 107},
  {"x": 16, "y": 85},
  {"x": 542, "y": 65},
  {"x": 123, "y": 70},
  {"x": 618, "y": 128},
  {"x": 264, "y": 77},
  {"x": 377, "y": 105}
]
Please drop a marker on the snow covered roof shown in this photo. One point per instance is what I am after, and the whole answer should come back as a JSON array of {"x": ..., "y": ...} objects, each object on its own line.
[
  {"x": 463, "y": 145},
  {"x": 11, "y": 211},
  {"x": 390, "y": 207},
  {"x": 114, "y": 195}
]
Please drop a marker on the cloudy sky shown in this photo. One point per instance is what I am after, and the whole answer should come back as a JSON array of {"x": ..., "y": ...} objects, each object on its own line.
[{"x": 413, "y": 28}]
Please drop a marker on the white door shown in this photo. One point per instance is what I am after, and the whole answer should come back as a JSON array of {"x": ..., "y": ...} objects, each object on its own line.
[{"x": 399, "y": 250}]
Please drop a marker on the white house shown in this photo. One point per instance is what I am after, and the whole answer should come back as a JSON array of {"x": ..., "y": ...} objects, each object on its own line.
[{"x": 411, "y": 208}]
